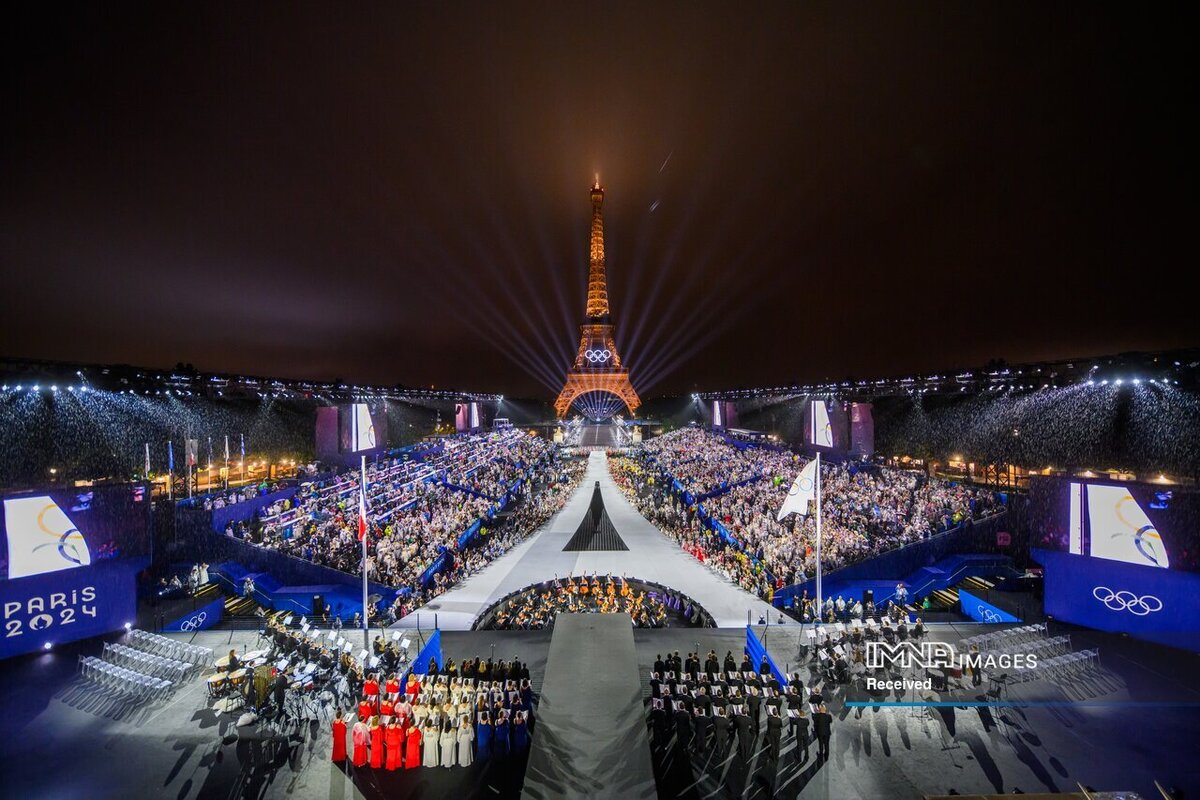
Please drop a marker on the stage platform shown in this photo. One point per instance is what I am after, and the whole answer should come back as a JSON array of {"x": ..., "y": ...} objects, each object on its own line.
[
  {"x": 591, "y": 737},
  {"x": 651, "y": 556}
]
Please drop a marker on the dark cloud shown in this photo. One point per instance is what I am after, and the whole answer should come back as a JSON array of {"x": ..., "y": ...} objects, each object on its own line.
[{"x": 399, "y": 194}]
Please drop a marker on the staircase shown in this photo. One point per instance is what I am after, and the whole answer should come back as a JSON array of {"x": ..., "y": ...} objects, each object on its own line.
[
  {"x": 947, "y": 599},
  {"x": 240, "y": 607}
]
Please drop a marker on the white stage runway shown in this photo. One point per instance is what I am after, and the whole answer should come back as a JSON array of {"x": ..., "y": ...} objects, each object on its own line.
[{"x": 651, "y": 556}]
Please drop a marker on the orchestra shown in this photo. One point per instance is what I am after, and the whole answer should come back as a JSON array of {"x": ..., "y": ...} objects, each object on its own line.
[{"x": 537, "y": 608}]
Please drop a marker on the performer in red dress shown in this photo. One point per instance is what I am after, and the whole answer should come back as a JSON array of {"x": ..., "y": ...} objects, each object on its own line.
[
  {"x": 376, "y": 744},
  {"x": 392, "y": 687},
  {"x": 412, "y": 688},
  {"x": 360, "y": 736},
  {"x": 386, "y": 707},
  {"x": 365, "y": 712},
  {"x": 371, "y": 690},
  {"x": 412, "y": 754},
  {"x": 393, "y": 738},
  {"x": 339, "y": 737}
]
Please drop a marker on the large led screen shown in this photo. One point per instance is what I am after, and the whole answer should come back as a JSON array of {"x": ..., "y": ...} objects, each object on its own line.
[
  {"x": 1146, "y": 524},
  {"x": 821, "y": 430},
  {"x": 61, "y": 529}
]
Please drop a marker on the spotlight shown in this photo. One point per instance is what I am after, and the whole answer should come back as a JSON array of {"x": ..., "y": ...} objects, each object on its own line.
[
  {"x": 47, "y": 646},
  {"x": 128, "y": 626}
]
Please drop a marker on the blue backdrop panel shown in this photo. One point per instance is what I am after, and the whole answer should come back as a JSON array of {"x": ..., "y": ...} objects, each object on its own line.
[
  {"x": 756, "y": 650},
  {"x": 201, "y": 619},
  {"x": 1160, "y": 605},
  {"x": 432, "y": 649},
  {"x": 67, "y": 605},
  {"x": 980, "y": 610}
]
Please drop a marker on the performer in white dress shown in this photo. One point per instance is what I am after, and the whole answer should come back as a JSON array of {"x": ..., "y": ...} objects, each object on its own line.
[
  {"x": 429, "y": 744},
  {"x": 448, "y": 738},
  {"x": 466, "y": 734}
]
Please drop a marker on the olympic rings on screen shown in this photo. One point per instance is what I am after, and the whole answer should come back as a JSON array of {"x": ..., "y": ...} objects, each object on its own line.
[
  {"x": 596, "y": 356},
  {"x": 1127, "y": 601}
]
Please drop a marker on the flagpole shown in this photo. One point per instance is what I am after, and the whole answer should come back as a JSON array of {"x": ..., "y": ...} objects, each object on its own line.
[
  {"x": 820, "y": 599},
  {"x": 362, "y": 487}
]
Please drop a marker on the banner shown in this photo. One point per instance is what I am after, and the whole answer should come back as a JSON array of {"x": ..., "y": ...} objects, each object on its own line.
[
  {"x": 201, "y": 619},
  {"x": 1161, "y": 605},
  {"x": 980, "y": 610},
  {"x": 58, "y": 607}
]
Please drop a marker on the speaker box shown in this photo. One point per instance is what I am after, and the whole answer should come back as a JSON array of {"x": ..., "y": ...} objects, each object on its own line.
[
  {"x": 318, "y": 605},
  {"x": 868, "y": 596}
]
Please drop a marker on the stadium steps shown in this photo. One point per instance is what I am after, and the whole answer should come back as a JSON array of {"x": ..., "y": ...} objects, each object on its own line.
[
  {"x": 240, "y": 607},
  {"x": 207, "y": 593},
  {"x": 976, "y": 584},
  {"x": 945, "y": 598}
]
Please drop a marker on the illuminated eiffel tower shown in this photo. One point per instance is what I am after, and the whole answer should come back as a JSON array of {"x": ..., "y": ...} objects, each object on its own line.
[{"x": 598, "y": 369}]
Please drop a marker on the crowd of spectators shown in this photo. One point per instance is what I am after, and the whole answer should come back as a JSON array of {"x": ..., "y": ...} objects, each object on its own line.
[
  {"x": 419, "y": 509},
  {"x": 865, "y": 510},
  {"x": 234, "y": 495}
]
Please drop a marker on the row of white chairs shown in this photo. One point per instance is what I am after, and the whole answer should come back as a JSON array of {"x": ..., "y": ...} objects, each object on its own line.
[
  {"x": 127, "y": 682},
  {"x": 1064, "y": 667},
  {"x": 170, "y": 648},
  {"x": 990, "y": 640},
  {"x": 147, "y": 663},
  {"x": 1042, "y": 648}
]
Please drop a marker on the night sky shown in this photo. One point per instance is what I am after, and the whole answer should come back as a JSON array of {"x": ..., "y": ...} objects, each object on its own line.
[{"x": 311, "y": 191}]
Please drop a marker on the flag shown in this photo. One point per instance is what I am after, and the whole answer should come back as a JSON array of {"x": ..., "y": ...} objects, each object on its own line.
[
  {"x": 362, "y": 508},
  {"x": 147, "y": 472},
  {"x": 227, "y": 447},
  {"x": 170, "y": 457},
  {"x": 243, "y": 439},
  {"x": 803, "y": 491}
]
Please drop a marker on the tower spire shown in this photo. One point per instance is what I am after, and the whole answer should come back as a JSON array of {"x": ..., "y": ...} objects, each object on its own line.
[
  {"x": 597, "y": 369},
  {"x": 597, "y": 299}
]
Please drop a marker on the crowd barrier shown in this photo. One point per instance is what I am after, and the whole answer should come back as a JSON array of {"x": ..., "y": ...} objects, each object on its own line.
[{"x": 971, "y": 536}]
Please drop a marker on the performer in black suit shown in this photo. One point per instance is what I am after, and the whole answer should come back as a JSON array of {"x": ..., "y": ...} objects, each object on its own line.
[
  {"x": 702, "y": 722},
  {"x": 683, "y": 726},
  {"x": 754, "y": 702},
  {"x": 722, "y": 731},
  {"x": 823, "y": 727},
  {"x": 774, "y": 731},
  {"x": 745, "y": 734}
]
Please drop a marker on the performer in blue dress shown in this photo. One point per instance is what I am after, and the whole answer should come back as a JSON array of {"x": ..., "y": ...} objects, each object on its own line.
[
  {"x": 483, "y": 736},
  {"x": 500, "y": 736},
  {"x": 520, "y": 733}
]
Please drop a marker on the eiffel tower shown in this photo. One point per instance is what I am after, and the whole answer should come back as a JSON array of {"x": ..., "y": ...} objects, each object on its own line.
[{"x": 598, "y": 367}]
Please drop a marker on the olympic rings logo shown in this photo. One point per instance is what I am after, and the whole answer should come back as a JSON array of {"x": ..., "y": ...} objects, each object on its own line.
[
  {"x": 989, "y": 615},
  {"x": 596, "y": 356},
  {"x": 1127, "y": 601},
  {"x": 194, "y": 623},
  {"x": 802, "y": 485}
]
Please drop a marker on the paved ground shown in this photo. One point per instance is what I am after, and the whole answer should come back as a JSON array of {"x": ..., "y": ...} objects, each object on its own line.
[{"x": 67, "y": 740}]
